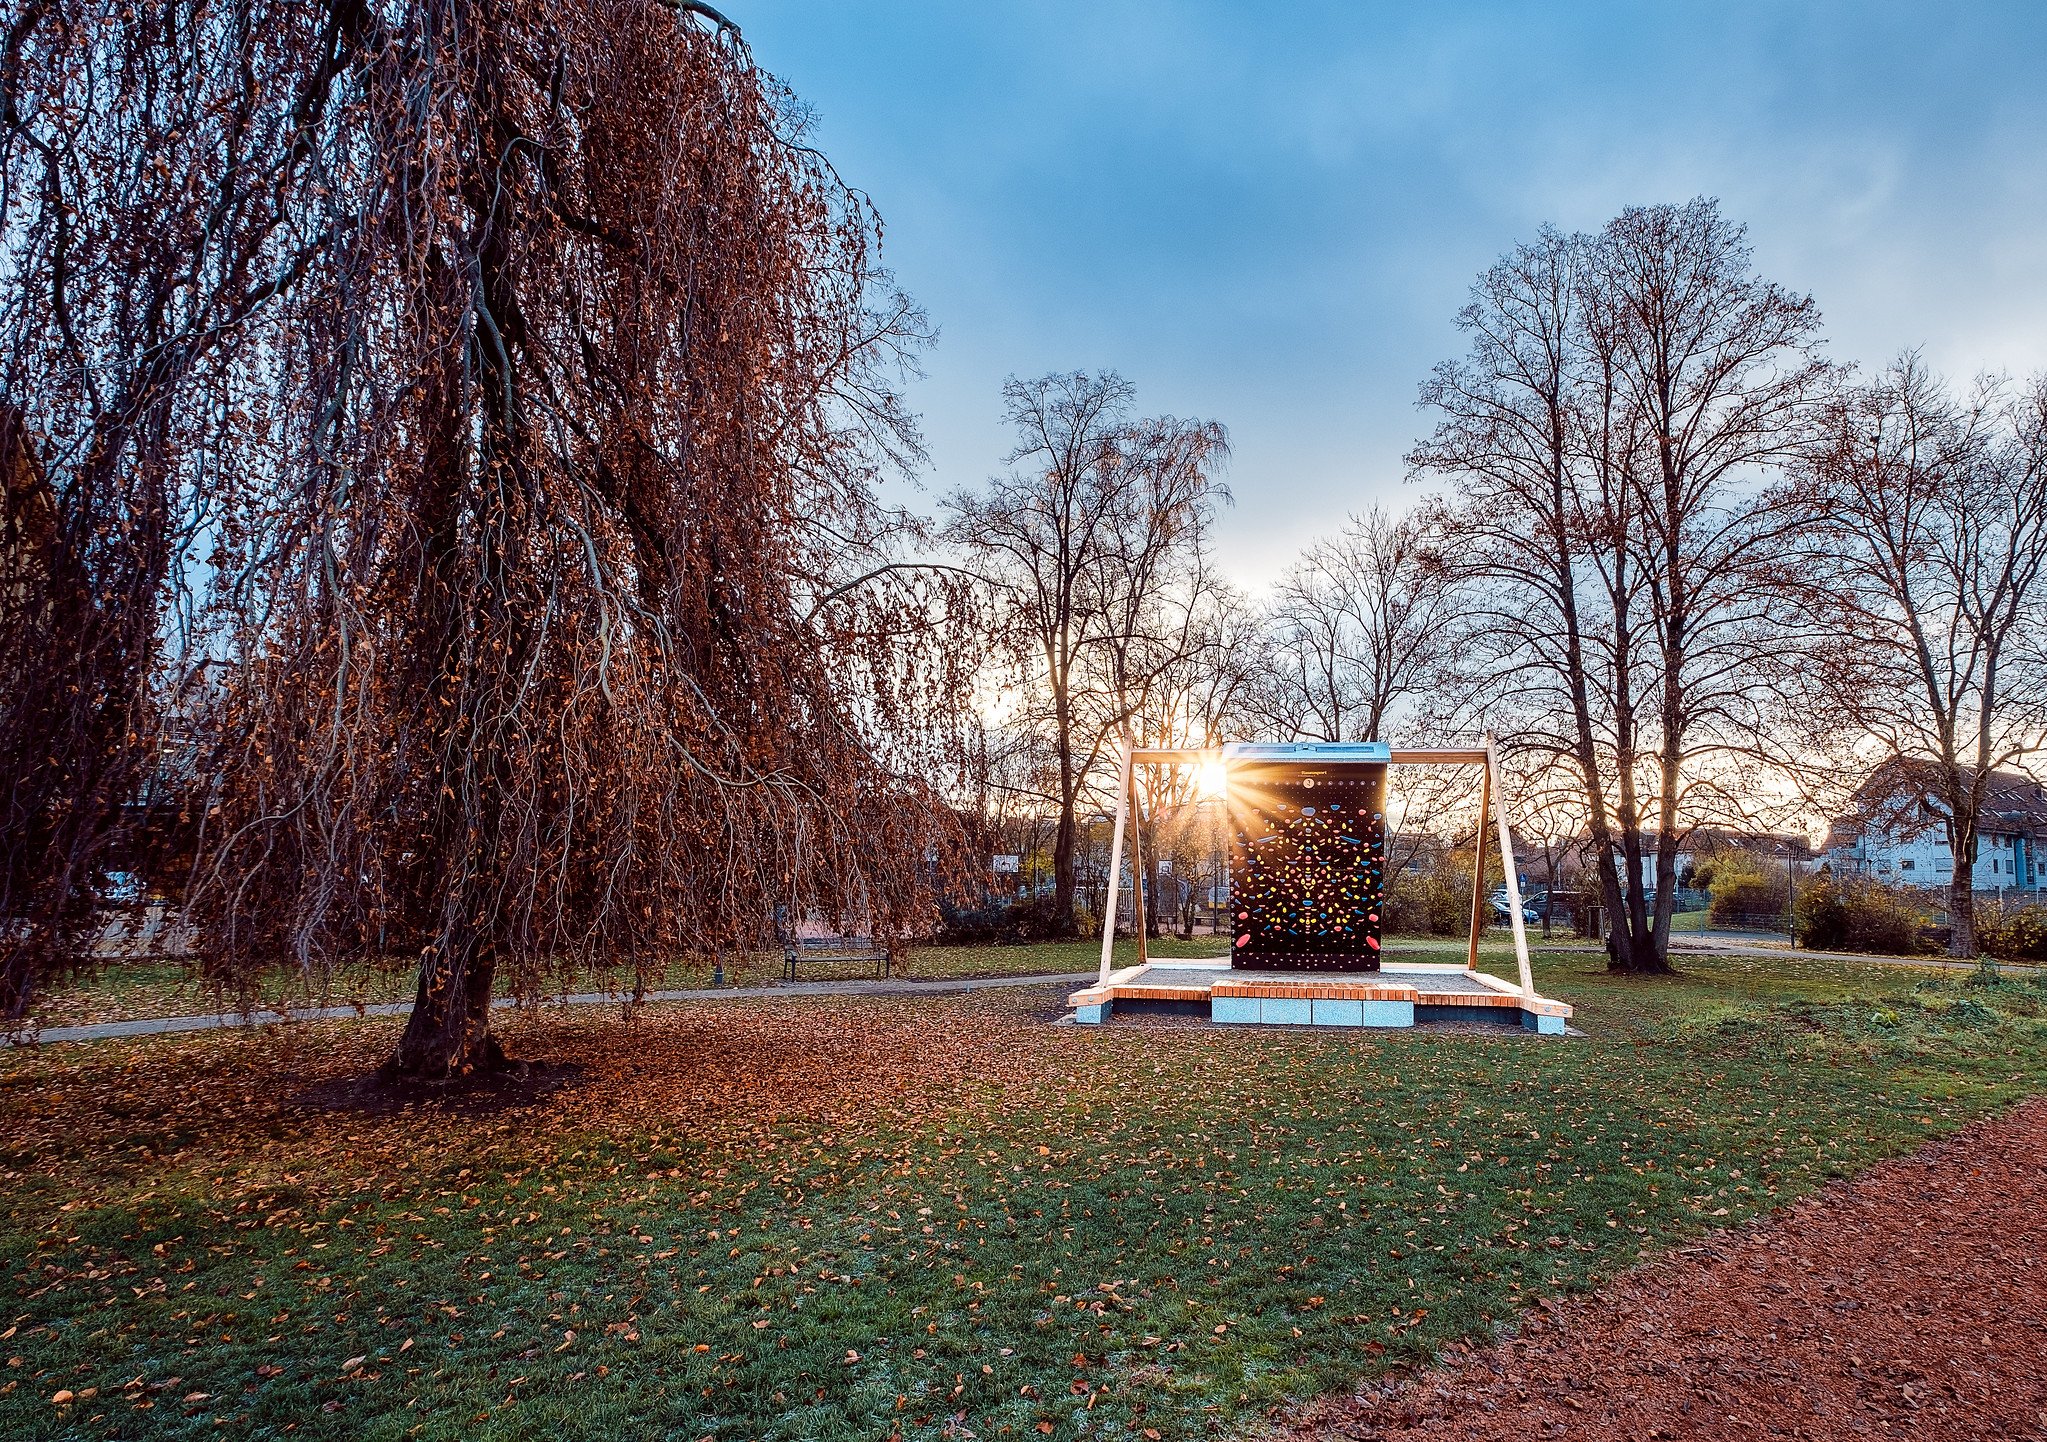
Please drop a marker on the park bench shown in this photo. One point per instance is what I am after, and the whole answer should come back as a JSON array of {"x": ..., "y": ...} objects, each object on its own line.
[{"x": 800, "y": 950}]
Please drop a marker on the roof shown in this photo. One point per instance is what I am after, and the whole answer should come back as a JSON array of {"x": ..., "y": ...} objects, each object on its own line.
[
  {"x": 1308, "y": 751},
  {"x": 1905, "y": 792}
]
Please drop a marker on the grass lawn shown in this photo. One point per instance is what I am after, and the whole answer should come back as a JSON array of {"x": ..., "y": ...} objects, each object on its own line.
[
  {"x": 860, "y": 1216},
  {"x": 152, "y": 989},
  {"x": 122, "y": 993}
]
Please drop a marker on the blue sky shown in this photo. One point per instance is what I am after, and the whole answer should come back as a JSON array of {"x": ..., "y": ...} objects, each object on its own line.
[{"x": 1270, "y": 214}]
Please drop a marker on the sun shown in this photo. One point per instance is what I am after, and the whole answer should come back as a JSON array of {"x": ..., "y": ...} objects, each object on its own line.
[{"x": 1213, "y": 780}]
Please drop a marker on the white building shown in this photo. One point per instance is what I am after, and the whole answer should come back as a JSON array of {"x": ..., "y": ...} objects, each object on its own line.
[{"x": 1898, "y": 833}]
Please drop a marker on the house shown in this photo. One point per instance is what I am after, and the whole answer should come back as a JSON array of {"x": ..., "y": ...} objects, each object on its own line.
[{"x": 1896, "y": 831}]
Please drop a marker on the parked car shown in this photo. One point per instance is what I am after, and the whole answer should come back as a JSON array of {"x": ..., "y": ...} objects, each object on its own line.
[{"x": 1501, "y": 911}]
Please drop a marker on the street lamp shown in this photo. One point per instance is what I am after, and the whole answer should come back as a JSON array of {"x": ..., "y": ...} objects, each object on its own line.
[{"x": 1790, "y": 890}]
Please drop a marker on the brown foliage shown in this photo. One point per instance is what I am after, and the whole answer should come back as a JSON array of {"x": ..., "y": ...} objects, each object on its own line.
[
  {"x": 557, "y": 616},
  {"x": 148, "y": 156}
]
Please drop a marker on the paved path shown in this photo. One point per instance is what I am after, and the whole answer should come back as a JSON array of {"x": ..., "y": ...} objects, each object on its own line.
[
  {"x": 1709, "y": 944},
  {"x": 157, "y": 1026}
]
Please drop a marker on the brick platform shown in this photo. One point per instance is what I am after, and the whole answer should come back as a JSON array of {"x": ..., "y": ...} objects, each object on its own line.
[{"x": 1397, "y": 996}]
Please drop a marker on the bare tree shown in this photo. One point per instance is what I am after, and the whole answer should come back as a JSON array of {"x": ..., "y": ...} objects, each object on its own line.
[
  {"x": 1358, "y": 629},
  {"x": 1195, "y": 699},
  {"x": 1609, "y": 438},
  {"x": 1093, "y": 543},
  {"x": 1925, "y": 579}
]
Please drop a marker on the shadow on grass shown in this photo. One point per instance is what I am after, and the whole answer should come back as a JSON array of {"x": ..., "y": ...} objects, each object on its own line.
[{"x": 521, "y": 1084}]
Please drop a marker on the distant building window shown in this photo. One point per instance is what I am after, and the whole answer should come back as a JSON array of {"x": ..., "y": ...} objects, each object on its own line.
[{"x": 1905, "y": 865}]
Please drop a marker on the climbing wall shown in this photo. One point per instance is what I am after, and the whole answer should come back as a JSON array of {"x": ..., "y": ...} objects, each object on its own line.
[{"x": 1308, "y": 864}]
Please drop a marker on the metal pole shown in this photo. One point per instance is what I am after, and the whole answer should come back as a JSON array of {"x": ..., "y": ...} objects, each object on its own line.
[
  {"x": 1790, "y": 894},
  {"x": 1115, "y": 858},
  {"x": 1513, "y": 881}
]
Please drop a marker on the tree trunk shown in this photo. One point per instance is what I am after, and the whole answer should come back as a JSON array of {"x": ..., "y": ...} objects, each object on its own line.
[
  {"x": 1064, "y": 926},
  {"x": 448, "y": 1034},
  {"x": 1962, "y": 919},
  {"x": 1961, "y": 905}
]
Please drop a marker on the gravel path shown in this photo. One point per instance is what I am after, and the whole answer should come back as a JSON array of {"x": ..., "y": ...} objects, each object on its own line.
[
  {"x": 157, "y": 1026},
  {"x": 1910, "y": 1301}
]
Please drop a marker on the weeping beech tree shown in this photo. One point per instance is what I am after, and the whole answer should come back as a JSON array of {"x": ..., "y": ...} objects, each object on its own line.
[
  {"x": 551, "y": 615},
  {"x": 153, "y": 161}
]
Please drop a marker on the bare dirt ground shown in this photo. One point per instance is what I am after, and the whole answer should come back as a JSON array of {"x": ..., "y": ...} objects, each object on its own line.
[{"x": 1910, "y": 1301}]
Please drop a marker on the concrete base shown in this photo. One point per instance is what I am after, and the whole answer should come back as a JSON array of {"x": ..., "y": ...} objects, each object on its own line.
[
  {"x": 1309, "y": 1011},
  {"x": 1092, "y": 1015},
  {"x": 1543, "y": 1024}
]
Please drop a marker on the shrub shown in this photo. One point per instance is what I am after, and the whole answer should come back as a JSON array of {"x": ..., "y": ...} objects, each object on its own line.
[
  {"x": 1743, "y": 896},
  {"x": 1428, "y": 903},
  {"x": 1858, "y": 915},
  {"x": 2012, "y": 933},
  {"x": 999, "y": 921}
]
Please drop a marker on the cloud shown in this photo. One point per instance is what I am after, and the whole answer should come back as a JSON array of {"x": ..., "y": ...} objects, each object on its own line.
[{"x": 1271, "y": 217}]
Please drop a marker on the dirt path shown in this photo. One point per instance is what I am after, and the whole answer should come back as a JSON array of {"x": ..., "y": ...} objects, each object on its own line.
[{"x": 1908, "y": 1302}]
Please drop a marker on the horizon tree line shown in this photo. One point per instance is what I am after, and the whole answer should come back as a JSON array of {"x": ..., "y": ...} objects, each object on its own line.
[{"x": 1689, "y": 570}]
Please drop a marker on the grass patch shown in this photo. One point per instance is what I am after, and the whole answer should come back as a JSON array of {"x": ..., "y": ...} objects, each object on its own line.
[
  {"x": 826, "y": 1217},
  {"x": 161, "y": 989},
  {"x": 154, "y": 989}
]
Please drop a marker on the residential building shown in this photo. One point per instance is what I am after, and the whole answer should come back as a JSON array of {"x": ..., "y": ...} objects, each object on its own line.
[{"x": 1896, "y": 831}]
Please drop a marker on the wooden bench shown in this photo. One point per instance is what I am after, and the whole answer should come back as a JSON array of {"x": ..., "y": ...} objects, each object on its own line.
[{"x": 801, "y": 950}]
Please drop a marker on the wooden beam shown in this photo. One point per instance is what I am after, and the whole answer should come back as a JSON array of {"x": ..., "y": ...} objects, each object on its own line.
[
  {"x": 1513, "y": 879},
  {"x": 1115, "y": 859},
  {"x": 1137, "y": 871},
  {"x": 1405, "y": 755},
  {"x": 1485, "y": 803}
]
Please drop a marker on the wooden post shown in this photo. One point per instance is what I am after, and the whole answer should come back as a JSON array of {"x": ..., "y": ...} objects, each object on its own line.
[
  {"x": 1478, "y": 860},
  {"x": 1492, "y": 763},
  {"x": 1115, "y": 859},
  {"x": 1137, "y": 869}
]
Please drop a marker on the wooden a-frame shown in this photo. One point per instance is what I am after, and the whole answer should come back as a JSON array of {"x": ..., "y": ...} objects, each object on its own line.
[{"x": 1491, "y": 797}]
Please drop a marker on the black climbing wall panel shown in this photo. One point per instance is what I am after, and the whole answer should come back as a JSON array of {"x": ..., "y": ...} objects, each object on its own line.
[{"x": 1308, "y": 864}]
